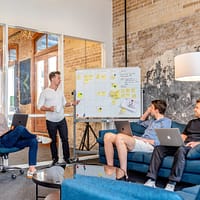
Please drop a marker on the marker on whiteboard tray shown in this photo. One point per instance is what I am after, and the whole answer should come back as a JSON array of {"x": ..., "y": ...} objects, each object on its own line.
[{"x": 83, "y": 114}]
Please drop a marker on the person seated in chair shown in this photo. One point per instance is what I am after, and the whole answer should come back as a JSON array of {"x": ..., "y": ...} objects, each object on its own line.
[
  {"x": 146, "y": 143},
  {"x": 19, "y": 137},
  {"x": 191, "y": 137}
]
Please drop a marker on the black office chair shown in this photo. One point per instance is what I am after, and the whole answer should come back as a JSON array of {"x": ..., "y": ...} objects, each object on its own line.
[{"x": 4, "y": 152}]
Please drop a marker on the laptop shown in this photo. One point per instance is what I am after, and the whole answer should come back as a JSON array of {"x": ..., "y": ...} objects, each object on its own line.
[
  {"x": 169, "y": 137},
  {"x": 123, "y": 127},
  {"x": 19, "y": 119}
]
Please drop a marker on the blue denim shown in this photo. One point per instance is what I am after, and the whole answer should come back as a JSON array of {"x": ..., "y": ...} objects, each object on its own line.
[{"x": 20, "y": 137}]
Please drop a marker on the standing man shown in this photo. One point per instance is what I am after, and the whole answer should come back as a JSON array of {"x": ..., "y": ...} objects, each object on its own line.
[
  {"x": 191, "y": 137},
  {"x": 145, "y": 143},
  {"x": 52, "y": 101}
]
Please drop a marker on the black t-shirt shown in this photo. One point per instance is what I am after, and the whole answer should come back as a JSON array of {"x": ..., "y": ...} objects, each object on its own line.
[{"x": 192, "y": 131}]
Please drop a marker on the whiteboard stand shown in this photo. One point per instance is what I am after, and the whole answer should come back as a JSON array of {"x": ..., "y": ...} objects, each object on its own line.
[
  {"x": 85, "y": 141},
  {"x": 76, "y": 151}
]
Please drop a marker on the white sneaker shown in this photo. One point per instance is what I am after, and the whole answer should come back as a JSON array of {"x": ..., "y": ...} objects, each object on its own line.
[
  {"x": 150, "y": 183},
  {"x": 170, "y": 187},
  {"x": 30, "y": 173},
  {"x": 43, "y": 139}
]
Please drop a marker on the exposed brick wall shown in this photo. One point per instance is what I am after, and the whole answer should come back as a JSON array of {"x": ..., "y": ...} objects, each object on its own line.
[
  {"x": 157, "y": 31},
  {"x": 79, "y": 54}
]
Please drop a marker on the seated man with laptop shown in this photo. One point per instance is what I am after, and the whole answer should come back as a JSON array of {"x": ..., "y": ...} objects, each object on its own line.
[
  {"x": 191, "y": 138},
  {"x": 18, "y": 136},
  {"x": 129, "y": 143}
]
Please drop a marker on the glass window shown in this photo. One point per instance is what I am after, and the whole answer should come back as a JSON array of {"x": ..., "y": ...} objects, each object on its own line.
[
  {"x": 12, "y": 54},
  {"x": 41, "y": 43},
  {"x": 40, "y": 77},
  {"x": 46, "y": 41},
  {"x": 52, "y": 40},
  {"x": 52, "y": 64},
  {"x": 11, "y": 86}
]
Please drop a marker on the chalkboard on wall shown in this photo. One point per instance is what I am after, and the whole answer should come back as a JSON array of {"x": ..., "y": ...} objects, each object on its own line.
[{"x": 109, "y": 93}]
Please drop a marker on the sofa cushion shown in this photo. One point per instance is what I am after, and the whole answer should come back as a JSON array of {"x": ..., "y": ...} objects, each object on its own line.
[
  {"x": 107, "y": 189},
  {"x": 194, "y": 153},
  {"x": 192, "y": 166},
  {"x": 192, "y": 190},
  {"x": 137, "y": 129},
  {"x": 136, "y": 156},
  {"x": 178, "y": 125}
]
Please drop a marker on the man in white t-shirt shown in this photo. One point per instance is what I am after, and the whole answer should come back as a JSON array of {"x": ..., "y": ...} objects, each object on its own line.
[{"x": 52, "y": 101}]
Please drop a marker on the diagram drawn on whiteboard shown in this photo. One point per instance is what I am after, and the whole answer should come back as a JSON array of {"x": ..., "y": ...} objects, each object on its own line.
[{"x": 105, "y": 93}]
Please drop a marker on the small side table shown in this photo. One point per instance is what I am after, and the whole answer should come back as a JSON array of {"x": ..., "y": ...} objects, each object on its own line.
[{"x": 49, "y": 177}]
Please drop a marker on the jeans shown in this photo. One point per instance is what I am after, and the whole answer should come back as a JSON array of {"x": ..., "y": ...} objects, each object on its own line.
[
  {"x": 20, "y": 137},
  {"x": 61, "y": 127},
  {"x": 178, "y": 165}
]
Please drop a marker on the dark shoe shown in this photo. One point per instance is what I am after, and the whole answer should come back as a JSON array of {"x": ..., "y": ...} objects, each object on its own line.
[
  {"x": 71, "y": 160},
  {"x": 54, "y": 162}
]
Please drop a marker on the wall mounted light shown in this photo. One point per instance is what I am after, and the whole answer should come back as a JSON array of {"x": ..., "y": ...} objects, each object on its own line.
[{"x": 187, "y": 67}]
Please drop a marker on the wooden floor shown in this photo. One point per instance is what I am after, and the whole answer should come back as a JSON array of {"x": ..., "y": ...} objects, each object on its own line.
[{"x": 21, "y": 157}]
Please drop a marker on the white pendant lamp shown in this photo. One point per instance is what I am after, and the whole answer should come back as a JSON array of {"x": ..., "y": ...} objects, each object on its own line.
[{"x": 187, "y": 67}]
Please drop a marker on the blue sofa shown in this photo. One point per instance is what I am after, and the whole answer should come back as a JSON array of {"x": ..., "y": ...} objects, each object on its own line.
[
  {"x": 139, "y": 161},
  {"x": 90, "y": 188}
]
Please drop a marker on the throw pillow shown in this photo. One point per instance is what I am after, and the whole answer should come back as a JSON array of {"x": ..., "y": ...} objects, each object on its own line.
[{"x": 194, "y": 153}]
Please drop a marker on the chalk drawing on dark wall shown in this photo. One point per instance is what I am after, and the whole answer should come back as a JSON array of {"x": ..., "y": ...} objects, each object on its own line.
[{"x": 159, "y": 83}]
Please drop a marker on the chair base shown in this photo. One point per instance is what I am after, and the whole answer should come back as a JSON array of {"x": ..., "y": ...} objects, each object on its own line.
[{"x": 5, "y": 168}]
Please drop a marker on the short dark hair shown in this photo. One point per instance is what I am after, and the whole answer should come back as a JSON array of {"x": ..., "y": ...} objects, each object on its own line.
[
  {"x": 161, "y": 105},
  {"x": 198, "y": 101},
  {"x": 53, "y": 74}
]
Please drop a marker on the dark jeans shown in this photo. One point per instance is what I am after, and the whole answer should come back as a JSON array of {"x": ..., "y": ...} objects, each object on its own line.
[
  {"x": 178, "y": 165},
  {"x": 61, "y": 127},
  {"x": 21, "y": 138}
]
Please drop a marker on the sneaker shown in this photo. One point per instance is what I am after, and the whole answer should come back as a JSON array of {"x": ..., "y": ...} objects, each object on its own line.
[
  {"x": 54, "y": 162},
  {"x": 71, "y": 160},
  {"x": 150, "y": 183},
  {"x": 30, "y": 173},
  {"x": 43, "y": 139},
  {"x": 170, "y": 187}
]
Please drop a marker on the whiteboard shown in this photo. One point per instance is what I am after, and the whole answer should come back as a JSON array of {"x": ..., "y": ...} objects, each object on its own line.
[{"x": 109, "y": 93}]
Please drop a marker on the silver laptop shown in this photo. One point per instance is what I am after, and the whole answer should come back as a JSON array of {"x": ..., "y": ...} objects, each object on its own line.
[
  {"x": 19, "y": 119},
  {"x": 123, "y": 127},
  {"x": 169, "y": 137}
]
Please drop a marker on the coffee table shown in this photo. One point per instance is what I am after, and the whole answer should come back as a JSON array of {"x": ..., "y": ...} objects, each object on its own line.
[{"x": 52, "y": 177}]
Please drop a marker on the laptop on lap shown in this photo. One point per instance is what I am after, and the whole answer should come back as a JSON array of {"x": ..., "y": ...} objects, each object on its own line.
[
  {"x": 123, "y": 127},
  {"x": 19, "y": 119},
  {"x": 169, "y": 137}
]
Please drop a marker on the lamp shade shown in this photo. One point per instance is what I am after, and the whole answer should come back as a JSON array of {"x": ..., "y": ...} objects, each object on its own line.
[{"x": 187, "y": 67}]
